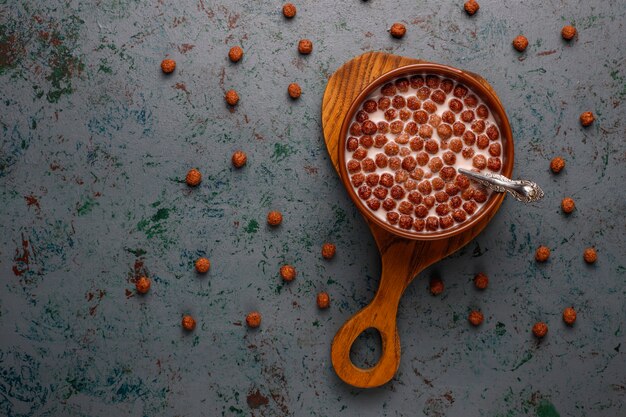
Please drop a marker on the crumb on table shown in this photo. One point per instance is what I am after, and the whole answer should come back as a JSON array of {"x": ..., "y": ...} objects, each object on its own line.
[
  {"x": 540, "y": 329},
  {"x": 168, "y": 66},
  {"x": 542, "y": 254},
  {"x": 323, "y": 300},
  {"x": 471, "y": 7},
  {"x": 397, "y": 30},
  {"x": 253, "y": 319},
  {"x": 142, "y": 285},
  {"x": 193, "y": 178},
  {"x": 202, "y": 265},
  {"x": 520, "y": 43}
]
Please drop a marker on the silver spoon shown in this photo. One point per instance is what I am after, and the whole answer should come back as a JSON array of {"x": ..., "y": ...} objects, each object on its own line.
[{"x": 522, "y": 190}]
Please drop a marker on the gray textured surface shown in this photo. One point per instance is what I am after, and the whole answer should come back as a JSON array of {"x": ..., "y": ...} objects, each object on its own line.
[{"x": 95, "y": 142}]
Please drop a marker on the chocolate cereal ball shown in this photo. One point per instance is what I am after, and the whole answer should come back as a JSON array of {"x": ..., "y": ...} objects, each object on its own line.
[
  {"x": 587, "y": 118},
  {"x": 557, "y": 164},
  {"x": 305, "y": 46},
  {"x": 239, "y": 159},
  {"x": 274, "y": 218},
  {"x": 289, "y": 10},
  {"x": 569, "y": 316},
  {"x": 520, "y": 43},
  {"x": 231, "y": 97},
  {"x": 481, "y": 281},
  {"x": 287, "y": 273},
  {"x": 253, "y": 319},
  {"x": 142, "y": 285},
  {"x": 168, "y": 66},
  {"x": 193, "y": 178},
  {"x": 328, "y": 250},
  {"x": 540, "y": 329},
  {"x": 567, "y": 205},
  {"x": 188, "y": 323},
  {"x": 436, "y": 286},
  {"x": 294, "y": 90},
  {"x": 542, "y": 254},
  {"x": 203, "y": 265},
  {"x": 475, "y": 318},
  {"x": 323, "y": 300},
  {"x": 235, "y": 53},
  {"x": 397, "y": 30},
  {"x": 471, "y": 7},
  {"x": 590, "y": 256},
  {"x": 568, "y": 32}
]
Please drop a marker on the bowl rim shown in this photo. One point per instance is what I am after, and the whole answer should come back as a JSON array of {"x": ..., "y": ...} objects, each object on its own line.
[{"x": 485, "y": 93}]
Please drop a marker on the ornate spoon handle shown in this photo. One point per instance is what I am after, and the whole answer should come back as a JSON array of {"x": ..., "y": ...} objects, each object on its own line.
[{"x": 523, "y": 190}]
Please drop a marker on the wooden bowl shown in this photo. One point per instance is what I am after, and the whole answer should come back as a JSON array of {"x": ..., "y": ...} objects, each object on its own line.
[
  {"x": 403, "y": 254},
  {"x": 492, "y": 102}
]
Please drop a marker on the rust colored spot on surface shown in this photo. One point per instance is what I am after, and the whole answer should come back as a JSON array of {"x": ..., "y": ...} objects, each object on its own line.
[
  {"x": 181, "y": 86},
  {"x": 232, "y": 20},
  {"x": 31, "y": 200},
  {"x": 186, "y": 47},
  {"x": 128, "y": 293},
  {"x": 310, "y": 169},
  {"x": 544, "y": 53},
  {"x": 256, "y": 399},
  {"x": 21, "y": 262}
]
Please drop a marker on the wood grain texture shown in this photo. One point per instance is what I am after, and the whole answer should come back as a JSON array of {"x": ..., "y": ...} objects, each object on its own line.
[{"x": 402, "y": 259}]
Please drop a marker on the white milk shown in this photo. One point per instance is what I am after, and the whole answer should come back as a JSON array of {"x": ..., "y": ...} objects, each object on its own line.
[{"x": 461, "y": 162}]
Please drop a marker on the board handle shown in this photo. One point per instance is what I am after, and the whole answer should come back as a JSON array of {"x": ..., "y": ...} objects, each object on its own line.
[{"x": 380, "y": 314}]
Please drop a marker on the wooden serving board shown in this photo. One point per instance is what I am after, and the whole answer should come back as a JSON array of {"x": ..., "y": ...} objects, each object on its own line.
[{"x": 402, "y": 259}]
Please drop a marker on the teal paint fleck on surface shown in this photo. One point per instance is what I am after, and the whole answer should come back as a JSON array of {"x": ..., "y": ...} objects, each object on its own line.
[
  {"x": 527, "y": 356},
  {"x": 500, "y": 329},
  {"x": 546, "y": 409},
  {"x": 281, "y": 151},
  {"x": 86, "y": 207},
  {"x": 252, "y": 227}
]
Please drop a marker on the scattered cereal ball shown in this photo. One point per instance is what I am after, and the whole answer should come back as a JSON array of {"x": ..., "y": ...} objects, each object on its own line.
[
  {"x": 168, "y": 66},
  {"x": 253, "y": 320},
  {"x": 568, "y": 32},
  {"x": 557, "y": 164},
  {"x": 481, "y": 281},
  {"x": 274, "y": 218},
  {"x": 567, "y": 204},
  {"x": 540, "y": 329},
  {"x": 305, "y": 46},
  {"x": 520, "y": 43},
  {"x": 188, "y": 323},
  {"x": 203, "y": 265},
  {"x": 289, "y": 10},
  {"x": 471, "y": 7},
  {"x": 235, "y": 54},
  {"x": 294, "y": 90},
  {"x": 436, "y": 286},
  {"x": 239, "y": 159},
  {"x": 193, "y": 178},
  {"x": 590, "y": 255},
  {"x": 143, "y": 285},
  {"x": 397, "y": 30},
  {"x": 323, "y": 300},
  {"x": 542, "y": 254},
  {"x": 569, "y": 316},
  {"x": 328, "y": 250},
  {"x": 475, "y": 318},
  {"x": 288, "y": 273},
  {"x": 587, "y": 118},
  {"x": 231, "y": 97}
]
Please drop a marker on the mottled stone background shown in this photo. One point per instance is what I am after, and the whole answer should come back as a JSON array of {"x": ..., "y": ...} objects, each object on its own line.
[{"x": 96, "y": 142}]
